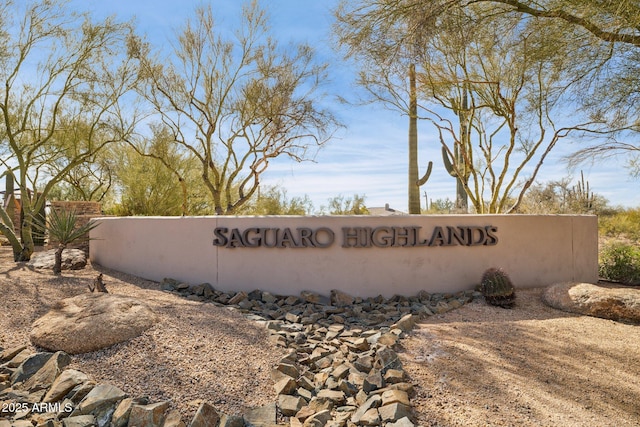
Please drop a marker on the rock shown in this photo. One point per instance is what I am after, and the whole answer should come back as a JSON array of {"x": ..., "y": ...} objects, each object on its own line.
[
  {"x": 46, "y": 375},
  {"x": 120, "y": 417},
  {"x": 10, "y": 353},
  {"x": 336, "y": 396},
  {"x": 90, "y": 322},
  {"x": 262, "y": 416},
  {"x": 289, "y": 369},
  {"x": 206, "y": 416},
  {"x": 72, "y": 259},
  {"x": 340, "y": 299},
  {"x": 395, "y": 396},
  {"x": 18, "y": 359},
  {"x": 605, "y": 301},
  {"x": 30, "y": 366},
  {"x": 173, "y": 419},
  {"x": 169, "y": 284},
  {"x": 319, "y": 419},
  {"x": 311, "y": 297},
  {"x": 402, "y": 422},
  {"x": 100, "y": 396},
  {"x": 388, "y": 359},
  {"x": 373, "y": 381},
  {"x": 394, "y": 376},
  {"x": 290, "y": 405},
  {"x": 67, "y": 380},
  {"x": 237, "y": 298},
  {"x": 373, "y": 402},
  {"x": 406, "y": 323},
  {"x": 370, "y": 418},
  {"x": 79, "y": 421},
  {"x": 287, "y": 385},
  {"x": 148, "y": 415},
  {"x": 394, "y": 412},
  {"x": 229, "y": 421}
]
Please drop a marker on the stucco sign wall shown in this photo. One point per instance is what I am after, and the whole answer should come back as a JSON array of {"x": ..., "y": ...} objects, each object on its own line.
[{"x": 362, "y": 255}]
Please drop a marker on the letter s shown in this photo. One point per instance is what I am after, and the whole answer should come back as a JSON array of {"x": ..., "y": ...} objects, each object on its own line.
[
  {"x": 221, "y": 238},
  {"x": 492, "y": 239}
]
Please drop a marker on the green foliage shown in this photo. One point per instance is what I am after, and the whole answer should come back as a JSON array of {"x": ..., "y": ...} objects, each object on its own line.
[
  {"x": 441, "y": 206},
  {"x": 620, "y": 262},
  {"x": 63, "y": 76},
  {"x": 63, "y": 227},
  {"x": 497, "y": 289},
  {"x": 237, "y": 101},
  {"x": 341, "y": 205},
  {"x": 624, "y": 223},
  {"x": 155, "y": 177},
  {"x": 273, "y": 200},
  {"x": 560, "y": 197}
]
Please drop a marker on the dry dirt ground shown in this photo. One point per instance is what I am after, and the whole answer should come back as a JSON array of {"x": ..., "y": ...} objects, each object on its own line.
[
  {"x": 528, "y": 366},
  {"x": 196, "y": 351},
  {"x": 475, "y": 366}
]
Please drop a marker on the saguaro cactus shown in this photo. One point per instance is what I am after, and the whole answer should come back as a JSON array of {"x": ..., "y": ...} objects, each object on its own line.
[
  {"x": 582, "y": 196},
  {"x": 414, "y": 181},
  {"x": 457, "y": 165},
  {"x": 7, "y": 216},
  {"x": 9, "y": 195}
]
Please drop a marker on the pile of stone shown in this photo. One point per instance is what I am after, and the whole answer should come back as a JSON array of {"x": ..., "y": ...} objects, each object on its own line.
[
  {"x": 37, "y": 390},
  {"x": 341, "y": 369},
  {"x": 312, "y": 309}
]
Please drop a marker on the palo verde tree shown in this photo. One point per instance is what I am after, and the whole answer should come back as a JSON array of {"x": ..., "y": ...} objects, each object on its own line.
[
  {"x": 236, "y": 102},
  {"x": 385, "y": 49},
  {"x": 602, "y": 42},
  {"x": 155, "y": 176},
  {"x": 491, "y": 85},
  {"x": 59, "y": 71}
]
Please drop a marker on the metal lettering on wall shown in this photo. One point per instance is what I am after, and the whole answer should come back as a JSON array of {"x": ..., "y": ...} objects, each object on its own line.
[{"x": 355, "y": 237}]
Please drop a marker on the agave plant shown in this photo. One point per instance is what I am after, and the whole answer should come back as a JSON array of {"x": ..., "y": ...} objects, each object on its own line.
[{"x": 63, "y": 227}]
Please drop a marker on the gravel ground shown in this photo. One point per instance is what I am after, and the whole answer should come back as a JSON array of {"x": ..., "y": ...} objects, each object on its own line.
[
  {"x": 196, "y": 352},
  {"x": 529, "y": 366},
  {"x": 474, "y": 366}
]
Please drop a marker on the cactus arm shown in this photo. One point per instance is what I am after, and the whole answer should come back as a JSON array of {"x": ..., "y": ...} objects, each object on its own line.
[
  {"x": 448, "y": 163},
  {"x": 7, "y": 229},
  {"x": 426, "y": 175}
]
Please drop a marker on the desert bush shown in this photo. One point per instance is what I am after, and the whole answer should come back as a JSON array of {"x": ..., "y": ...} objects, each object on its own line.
[
  {"x": 623, "y": 223},
  {"x": 620, "y": 262}
]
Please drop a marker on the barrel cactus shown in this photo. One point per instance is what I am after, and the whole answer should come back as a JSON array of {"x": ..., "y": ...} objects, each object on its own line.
[{"x": 497, "y": 289}]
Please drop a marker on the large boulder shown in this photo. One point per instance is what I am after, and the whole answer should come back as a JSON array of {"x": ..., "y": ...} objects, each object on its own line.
[
  {"x": 605, "y": 301},
  {"x": 90, "y": 322},
  {"x": 72, "y": 259}
]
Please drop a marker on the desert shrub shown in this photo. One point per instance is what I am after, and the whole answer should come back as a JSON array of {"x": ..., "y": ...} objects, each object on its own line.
[
  {"x": 620, "y": 262},
  {"x": 621, "y": 223}
]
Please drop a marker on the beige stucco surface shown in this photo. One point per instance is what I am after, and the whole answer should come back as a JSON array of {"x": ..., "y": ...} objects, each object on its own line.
[{"x": 533, "y": 250}]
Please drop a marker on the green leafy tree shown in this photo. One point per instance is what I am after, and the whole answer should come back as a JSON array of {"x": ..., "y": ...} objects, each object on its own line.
[
  {"x": 60, "y": 72},
  {"x": 491, "y": 83},
  {"x": 273, "y": 200},
  {"x": 341, "y": 205},
  {"x": 156, "y": 177},
  {"x": 234, "y": 103},
  {"x": 386, "y": 51},
  {"x": 601, "y": 41}
]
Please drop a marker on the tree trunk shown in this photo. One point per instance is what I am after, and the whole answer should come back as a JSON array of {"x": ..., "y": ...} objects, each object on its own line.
[
  {"x": 27, "y": 240},
  {"x": 57, "y": 265}
]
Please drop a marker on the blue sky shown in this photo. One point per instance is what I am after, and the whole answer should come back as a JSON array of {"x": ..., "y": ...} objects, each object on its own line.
[{"x": 368, "y": 156}]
